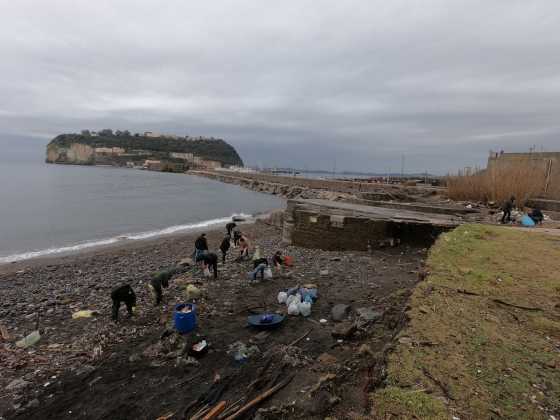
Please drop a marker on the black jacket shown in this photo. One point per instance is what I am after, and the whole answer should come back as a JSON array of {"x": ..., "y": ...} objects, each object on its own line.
[
  {"x": 124, "y": 294},
  {"x": 201, "y": 243},
  {"x": 225, "y": 244}
]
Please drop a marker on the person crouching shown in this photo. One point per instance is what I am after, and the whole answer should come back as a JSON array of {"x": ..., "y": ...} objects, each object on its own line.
[
  {"x": 209, "y": 260},
  {"x": 123, "y": 294},
  {"x": 259, "y": 265}
]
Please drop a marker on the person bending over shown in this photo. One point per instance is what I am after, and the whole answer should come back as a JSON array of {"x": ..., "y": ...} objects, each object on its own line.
[
  {"x": 123, "y": 294},
  {"x": 537, "y": 216},
  {"x": 259, "y": 265},
  {"x": 224, "y": 247},
  {"x": 209, "y": 260},
  {"x": 160, "y": 281},
  {"x": 278, "y": 259}
]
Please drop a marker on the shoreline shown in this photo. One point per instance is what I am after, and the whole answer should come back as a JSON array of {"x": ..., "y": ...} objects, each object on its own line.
[{"x": 123, "y": 245}]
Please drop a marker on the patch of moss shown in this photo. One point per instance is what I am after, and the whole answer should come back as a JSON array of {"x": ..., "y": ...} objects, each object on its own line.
[{"x": 393, "y": 402}]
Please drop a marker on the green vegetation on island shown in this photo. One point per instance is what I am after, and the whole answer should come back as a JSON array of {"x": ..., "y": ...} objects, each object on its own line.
[{"x": 122, "y": 147}]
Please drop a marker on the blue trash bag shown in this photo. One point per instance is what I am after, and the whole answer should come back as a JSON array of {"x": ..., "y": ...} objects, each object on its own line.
[{"x": 527, "y": 221}]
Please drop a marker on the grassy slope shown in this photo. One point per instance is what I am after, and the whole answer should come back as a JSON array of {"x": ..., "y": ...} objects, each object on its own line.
[{"x": 493, "y": 361}]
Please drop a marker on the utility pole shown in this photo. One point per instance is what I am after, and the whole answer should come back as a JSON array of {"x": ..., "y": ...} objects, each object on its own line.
[{"x": 402, "y": 166}]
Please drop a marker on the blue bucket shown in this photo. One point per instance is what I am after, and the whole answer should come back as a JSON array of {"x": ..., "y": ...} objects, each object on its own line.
[{"x": 185, "y": 321}]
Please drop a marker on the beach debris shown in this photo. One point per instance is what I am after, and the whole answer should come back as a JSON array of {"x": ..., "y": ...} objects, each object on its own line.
[
  {"x": 323, "y": 321},
  {"x": 84, "y": 314},
  {"x": 242, "y": 352},
  {"x": 17, "y": 384},
  {"x": 282, "y": 297},
  {"x": 4, "y": 333},
  {"x": 186, "y": 262},
  {"x": 368, "y": 314},
  {"x": 29, "y": 340},
  {"x": 344, "y": 329},
  {"x": 340, "y": 312},
  {"x": 192, "y": 292}
]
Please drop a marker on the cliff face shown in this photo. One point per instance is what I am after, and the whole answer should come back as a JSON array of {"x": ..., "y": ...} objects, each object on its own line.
[
  {"x": 74, "y": 153},
  {"x": 117, "y": 149}
]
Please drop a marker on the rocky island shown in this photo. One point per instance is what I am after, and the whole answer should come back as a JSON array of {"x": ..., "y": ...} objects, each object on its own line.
[{"x": 149, "y": 150}]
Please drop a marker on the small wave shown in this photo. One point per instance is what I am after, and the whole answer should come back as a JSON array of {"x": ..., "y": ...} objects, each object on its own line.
[{"x": 127, "y": 237}]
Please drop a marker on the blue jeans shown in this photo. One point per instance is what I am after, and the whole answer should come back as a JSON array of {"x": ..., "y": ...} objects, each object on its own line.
[{"x": 260, "y": 268}]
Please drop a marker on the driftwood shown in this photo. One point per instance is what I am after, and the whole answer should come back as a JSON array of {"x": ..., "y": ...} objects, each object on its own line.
[
  {"x": 443, "y": 387},
  {"x": 525, "y": 308},
  {"x": 293, "y": 343},
  {"x": 257, "y": 400},
  {"x": 215, "y": 412}
]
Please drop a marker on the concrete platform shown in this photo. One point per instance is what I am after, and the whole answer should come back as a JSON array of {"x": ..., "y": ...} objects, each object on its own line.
[{"x": 335, "y": 225}]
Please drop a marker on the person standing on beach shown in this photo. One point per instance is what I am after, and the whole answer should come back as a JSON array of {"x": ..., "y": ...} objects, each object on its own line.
[
  {"x": 507, "y": 208},
  {"x": 236, "y": 237},
  {"x": 200, "y": 246},
  {"x": 230, "y": 226},
  {"x": 224, "y": 247},
  {"x": 209, "y": 259}
]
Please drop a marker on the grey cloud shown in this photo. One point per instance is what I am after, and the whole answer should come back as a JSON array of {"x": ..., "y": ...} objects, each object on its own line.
[{"x": 294, "y": 83}]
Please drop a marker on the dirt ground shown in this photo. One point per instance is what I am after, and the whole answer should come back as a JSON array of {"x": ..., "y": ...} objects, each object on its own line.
[{"x": 92, "y": 368}]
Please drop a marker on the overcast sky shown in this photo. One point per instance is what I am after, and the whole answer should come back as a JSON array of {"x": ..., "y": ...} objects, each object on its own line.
[{"x": 313, "y": 84}]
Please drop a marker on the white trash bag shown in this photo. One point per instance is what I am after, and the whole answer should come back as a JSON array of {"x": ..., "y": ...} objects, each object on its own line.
[
  {"x": 293, "y": 309},
  {"x": 267, "y": 273},
  {"x": 304, "y": 308},
  {"x": 282, "y": 297}
]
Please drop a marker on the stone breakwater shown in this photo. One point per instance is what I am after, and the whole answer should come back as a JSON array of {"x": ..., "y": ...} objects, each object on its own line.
[{"x": 308, "y": 188}]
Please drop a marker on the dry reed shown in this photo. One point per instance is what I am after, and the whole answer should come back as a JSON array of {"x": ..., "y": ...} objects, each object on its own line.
[{"x": 525, "y": 179}]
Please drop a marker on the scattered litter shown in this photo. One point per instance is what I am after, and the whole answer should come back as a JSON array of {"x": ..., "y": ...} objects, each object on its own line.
[
  {"x": 323, "y": 321},
  {"x": 241, "y": 352},
  {"x": 30, "y": 340},
  {"x": 84, "y": 314},
  {"x": 282, "y": 297},
  {"x": 192, "y": 292}
]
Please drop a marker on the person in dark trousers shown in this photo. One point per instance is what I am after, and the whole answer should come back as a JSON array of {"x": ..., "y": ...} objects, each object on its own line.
[
  {"x": 200, "y": 246},
  {"x": 259, "y": 265},
  {"x": 224, "y": 247},
  {"x": 209, "y": 259},
  {"x": 278, "y": 259},
  {"x": 507, "y": 208},
  {"x": 236, "y": 237},
  {"x": 123, "y": 294},
  {"x": 230, "y": 226},
  {"x": 537, "y": 216},
  {"x": 160, "y": 281}
]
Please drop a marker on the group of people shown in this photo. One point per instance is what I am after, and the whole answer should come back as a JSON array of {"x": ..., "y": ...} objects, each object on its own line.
[
  {"x": 535, "y": 214},
  {"x": 207, "y": 260}
]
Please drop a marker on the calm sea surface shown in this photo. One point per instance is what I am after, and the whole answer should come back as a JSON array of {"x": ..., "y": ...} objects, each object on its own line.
[{"x": 50, "y": 209}]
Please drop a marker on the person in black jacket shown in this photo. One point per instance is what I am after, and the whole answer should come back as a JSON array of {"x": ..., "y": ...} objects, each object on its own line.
[
  {"x": 537, "y": 216},
  {"x": 507, "y": 208},
  {"x": 224, "y": 247},
  {"x": 230, "y": 226},
  {"x": 123, "y": 294},
  {"x": 259, "y": 265},
  {"x": 200, "y": 246},
  {"x": 210, "y": 260}
]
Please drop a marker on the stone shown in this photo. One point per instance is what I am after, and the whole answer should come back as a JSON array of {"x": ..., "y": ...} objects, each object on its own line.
[
  {"x": 340, "y": 312},
  {"x": 17, "y": 384},
  {"x": 344, "y": 330},
  {"x": 365, "y": 350},
  {"x": 34, "y": 403},
  {"x": 186, "y": 262},
  {"x": 327, "y": 359},
  {"x": 369, "y": 315}
]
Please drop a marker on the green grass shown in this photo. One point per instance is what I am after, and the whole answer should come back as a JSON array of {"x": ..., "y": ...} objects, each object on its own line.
[{"x": 493, "y": 360}]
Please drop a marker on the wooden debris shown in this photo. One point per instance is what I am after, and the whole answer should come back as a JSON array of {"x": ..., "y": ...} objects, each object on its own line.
[
  {"x": 215, "y": 412},
  {"x": 293, "y": 343},
  {"x": 525, "y": 308},
  {"x": 442, "y": 386},
  {"x": 257, "y": 400}
]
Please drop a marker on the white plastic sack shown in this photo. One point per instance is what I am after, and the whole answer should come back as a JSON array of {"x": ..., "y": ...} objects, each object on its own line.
[
  {"x": 293, "y": 299},
  {"x": 293, "y": 309},
  {"x": 282, "y": 297},
  {"x": 304, "y": 308},
  {"x": 267, "y": 273}
]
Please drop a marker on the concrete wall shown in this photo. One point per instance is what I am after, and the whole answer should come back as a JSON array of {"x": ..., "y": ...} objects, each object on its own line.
[{"x": 322, "y": 230}]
